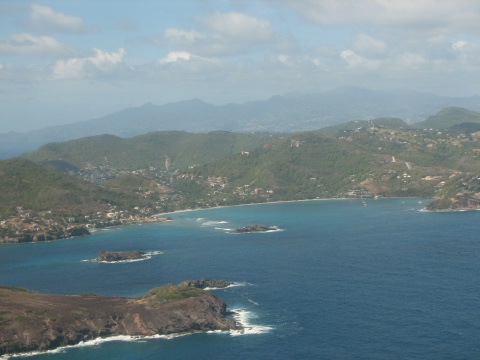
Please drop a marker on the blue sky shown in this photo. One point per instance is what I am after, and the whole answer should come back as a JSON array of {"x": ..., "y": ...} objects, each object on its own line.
[{"x": 63, "y": 61}]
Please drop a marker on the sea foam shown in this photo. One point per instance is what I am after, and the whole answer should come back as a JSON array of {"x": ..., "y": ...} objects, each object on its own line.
[
  {"x": 93, "y": 343},
  {"x": 213, "y": 223},
  {"x": 243, "y": 318},
  {"x": 147, "y": 255},
  {"x": 235, "y": 284}
]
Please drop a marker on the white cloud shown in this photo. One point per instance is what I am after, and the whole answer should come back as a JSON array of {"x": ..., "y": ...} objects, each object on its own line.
[
  {"x": 239, "y": 27},
  {"x": 181, "y": 36},
  {"x": 44, "y": 18},
  {"x": 222, "y": 34},
  {"x": 28, "y": 44},
  {"x": 459, "y": 45},
  {"x": 175, "y": 56},
  {"x": 101, "y": 64},
  {"x": 411, "y": 14},
  {"x": 411, "y": 61},
  {"x": 367, "y": 45},
  {"x": 357, "y": 61},
  {"x": 283, "y": 59}
]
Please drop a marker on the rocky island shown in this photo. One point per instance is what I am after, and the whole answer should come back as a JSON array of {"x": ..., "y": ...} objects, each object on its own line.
[
  {"x": 114, "y": 256},
  {"x": 206, "y": 283},
  {"x": 253, "y": 228},
  {"x": 32, "y": 321}
]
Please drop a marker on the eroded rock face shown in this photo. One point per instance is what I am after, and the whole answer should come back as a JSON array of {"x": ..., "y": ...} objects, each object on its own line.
[
  {"x": 206, "y": 283},
  {"x": 112, "y": 256},
  {"x": 31, "y": 321}
]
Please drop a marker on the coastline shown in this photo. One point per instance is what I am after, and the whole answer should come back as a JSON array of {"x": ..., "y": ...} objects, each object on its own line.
[
  {"x": 240, "y": 316},
  {"x": 250, "y": 204},
  {"x": 81, "y": 320},
  {"x": 164, "y": 216}
]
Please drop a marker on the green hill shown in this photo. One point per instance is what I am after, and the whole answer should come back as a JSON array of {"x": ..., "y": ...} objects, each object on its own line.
[
  {"x": 303, "y": 166},
  {"x": 35, "y": 188},
  {"x": 449, "y": 117},
  {"x": 391, "y": 123},
  {"x": 182, "y": 149},
  {"x": 229, "y": 168}
]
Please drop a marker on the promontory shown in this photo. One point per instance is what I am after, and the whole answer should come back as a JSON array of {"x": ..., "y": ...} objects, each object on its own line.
[{"x": 31, "y": 321}]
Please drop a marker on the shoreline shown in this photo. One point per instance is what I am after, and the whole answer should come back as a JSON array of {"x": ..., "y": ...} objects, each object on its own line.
[
  {"x": 68, "y": 321},
  {"x": 250, "y": 204},
  {"x": 244, "y": 329},
  {"x": 240, "y": 318},
  {"x": 163, "y": 216}
]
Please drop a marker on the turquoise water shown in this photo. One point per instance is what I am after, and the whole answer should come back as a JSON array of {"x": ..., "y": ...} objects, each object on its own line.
[{"x": 352, "y": 279}]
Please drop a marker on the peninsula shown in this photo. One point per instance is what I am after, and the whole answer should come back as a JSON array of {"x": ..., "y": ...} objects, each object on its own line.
[{"x": 32, "y": 321}]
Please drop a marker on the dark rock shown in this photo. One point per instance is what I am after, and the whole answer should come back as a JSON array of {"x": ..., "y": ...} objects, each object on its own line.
[
  {"x": 253, "y": 228},
  {"x": 77, "y": 231},
  {"x": 26, "y": 238},
  {"x": 205, "y": 283},
  {"x": 112, "y": 256}
]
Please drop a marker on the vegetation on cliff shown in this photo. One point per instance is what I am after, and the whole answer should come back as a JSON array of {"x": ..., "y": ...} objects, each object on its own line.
[{"x": 171, "y": 293}]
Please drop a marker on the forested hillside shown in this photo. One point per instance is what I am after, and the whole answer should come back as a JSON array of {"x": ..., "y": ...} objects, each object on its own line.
[
  {"x": 130, "y": 180},
  {"x": 449, "y": 117},
  {"x": 33, "y": 187},
  {"x": 179, "y": 149}
]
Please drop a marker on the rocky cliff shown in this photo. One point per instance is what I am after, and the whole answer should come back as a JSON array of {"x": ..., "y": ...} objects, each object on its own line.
[{"x": 31, "y": 321}]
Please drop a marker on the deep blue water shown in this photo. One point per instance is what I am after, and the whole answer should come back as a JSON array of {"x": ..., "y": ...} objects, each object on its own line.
[{"x": 353, "y": 279}]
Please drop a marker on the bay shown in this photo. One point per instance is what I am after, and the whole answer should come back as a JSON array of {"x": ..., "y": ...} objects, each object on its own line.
[{"x": 350, "y": 279}]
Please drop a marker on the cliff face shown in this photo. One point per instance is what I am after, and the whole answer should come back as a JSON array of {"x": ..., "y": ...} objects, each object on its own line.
[{"x": 31, "y": 321}]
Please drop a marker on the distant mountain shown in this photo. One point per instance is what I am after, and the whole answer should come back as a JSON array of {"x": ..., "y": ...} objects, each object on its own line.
[
  {"x": 449, "y": 117},
  {"x": 290, "y": 113}
]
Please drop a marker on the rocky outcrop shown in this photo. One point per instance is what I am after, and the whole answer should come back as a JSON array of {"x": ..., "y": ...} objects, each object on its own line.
[
  {"x": 253, "y": 228},
  {"x": 206, "y": 283},
  {"x": 34, "y": 322},
  {"x": 53, "y": 234},
  {"x": 113, "y": 256}
]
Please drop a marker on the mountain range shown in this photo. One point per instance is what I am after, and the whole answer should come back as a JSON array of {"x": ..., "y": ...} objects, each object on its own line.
[{"x": 288, "y": 113}]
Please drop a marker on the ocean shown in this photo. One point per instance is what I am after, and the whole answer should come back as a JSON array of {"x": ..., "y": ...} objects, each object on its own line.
[{"x": 340, "y": 279}]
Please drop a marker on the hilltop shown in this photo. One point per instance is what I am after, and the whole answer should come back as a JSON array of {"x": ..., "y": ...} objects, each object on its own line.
[
  {"x": 380, "y": 157},
  {"x": 169, "y": 149},
  {"x": 281, "y": 113},
  {"x": 448, "y": 118},
  {"x": 106, "y": 180}
]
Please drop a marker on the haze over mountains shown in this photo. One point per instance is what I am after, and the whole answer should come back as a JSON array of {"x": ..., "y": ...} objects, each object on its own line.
[{"x": 288, "y": 113}]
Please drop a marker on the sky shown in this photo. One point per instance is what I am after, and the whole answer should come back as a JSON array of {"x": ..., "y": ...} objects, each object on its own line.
[{"x": 64, "y": 61}]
